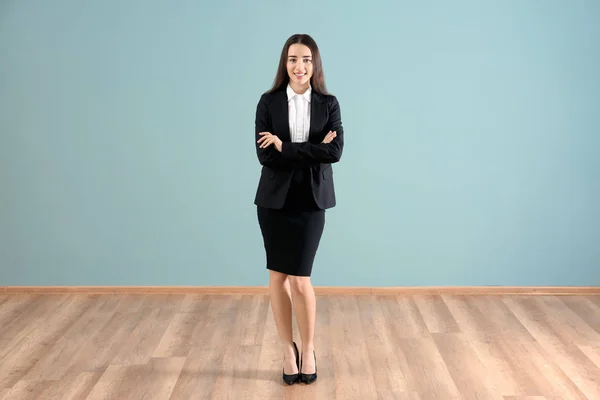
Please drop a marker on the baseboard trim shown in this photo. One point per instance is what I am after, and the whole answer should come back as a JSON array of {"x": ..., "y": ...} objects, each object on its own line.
[{"x": 319, "y": 290}]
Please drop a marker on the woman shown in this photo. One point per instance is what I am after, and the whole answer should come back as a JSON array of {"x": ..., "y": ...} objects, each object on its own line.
[{"x": 299, "y": 134}]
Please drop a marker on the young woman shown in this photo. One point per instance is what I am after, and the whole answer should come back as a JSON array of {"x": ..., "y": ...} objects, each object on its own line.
[{"x": 299, "y": 134}]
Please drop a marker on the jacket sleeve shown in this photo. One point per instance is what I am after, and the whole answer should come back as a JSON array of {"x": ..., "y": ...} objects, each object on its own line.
[
  {"x": 268, "y": 156},
  {"x": 322, "y": 152}
]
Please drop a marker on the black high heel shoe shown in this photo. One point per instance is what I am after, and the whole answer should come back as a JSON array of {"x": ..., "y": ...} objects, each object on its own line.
[
  {"x": 309, "y": 378},
  {"x": 293, "y": 378}
]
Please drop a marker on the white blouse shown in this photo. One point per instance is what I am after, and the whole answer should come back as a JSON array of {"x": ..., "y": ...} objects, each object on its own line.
[{"x": 299, "y": 114}]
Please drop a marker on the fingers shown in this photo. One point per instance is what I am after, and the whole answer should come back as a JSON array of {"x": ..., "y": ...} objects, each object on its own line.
[
  {"x": 329, "y": 137},
  {"x": 265, "y": 136},
  {"x": 268, "y": 141}
]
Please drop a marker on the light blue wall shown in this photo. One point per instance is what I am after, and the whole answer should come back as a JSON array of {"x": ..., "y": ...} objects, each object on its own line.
[{"x": 472, "y": 141}]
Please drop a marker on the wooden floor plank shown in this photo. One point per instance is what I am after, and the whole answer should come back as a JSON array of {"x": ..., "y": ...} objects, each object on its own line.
[{"x": 368, "y": 346}]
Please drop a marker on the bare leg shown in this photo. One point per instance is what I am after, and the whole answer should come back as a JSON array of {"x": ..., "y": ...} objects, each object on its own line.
[
  {"x": 281, "y": 305},
  {"x": 305, "y": 305}
]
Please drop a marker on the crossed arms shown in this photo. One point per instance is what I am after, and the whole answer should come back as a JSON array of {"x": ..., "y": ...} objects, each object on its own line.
[{"x": 272, "y": 152}]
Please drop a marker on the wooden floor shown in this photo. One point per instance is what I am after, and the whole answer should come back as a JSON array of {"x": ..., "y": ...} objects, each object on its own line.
[{"x": 182, "y": 346}]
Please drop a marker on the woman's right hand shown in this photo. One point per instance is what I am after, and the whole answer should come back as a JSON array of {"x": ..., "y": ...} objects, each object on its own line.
[{"x": 329, "y": 137}]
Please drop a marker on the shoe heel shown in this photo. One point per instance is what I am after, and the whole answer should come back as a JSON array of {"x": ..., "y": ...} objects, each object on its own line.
[{"x": 293, "y": 378}]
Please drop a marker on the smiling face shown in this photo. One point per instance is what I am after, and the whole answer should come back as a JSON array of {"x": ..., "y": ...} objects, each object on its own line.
[{"x": 299, "y": 66}]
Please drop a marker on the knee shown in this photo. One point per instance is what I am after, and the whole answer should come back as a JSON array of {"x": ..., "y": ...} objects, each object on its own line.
[
  {"x": 277, "y": 278},
  {"x": 301, "y": 285}
]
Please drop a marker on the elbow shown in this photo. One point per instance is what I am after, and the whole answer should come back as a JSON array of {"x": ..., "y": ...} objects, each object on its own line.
[
  {"x": 336, "y": 155},
  {"x": 265, "y": 161},
  {"x": 262, "y": 159},
  {"x": 264, "y": 156},
  {"x": 334, "y": 158}
]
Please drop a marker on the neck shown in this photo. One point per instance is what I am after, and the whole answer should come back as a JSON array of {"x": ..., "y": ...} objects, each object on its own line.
[{"x": 300, "y": 89}]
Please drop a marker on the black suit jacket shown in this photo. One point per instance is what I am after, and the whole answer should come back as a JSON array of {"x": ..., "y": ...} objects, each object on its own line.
[{"x": 278, "y": 167}]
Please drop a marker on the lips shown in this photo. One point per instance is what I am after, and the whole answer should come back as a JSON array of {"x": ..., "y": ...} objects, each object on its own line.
[{"x": 299, "y": 75}]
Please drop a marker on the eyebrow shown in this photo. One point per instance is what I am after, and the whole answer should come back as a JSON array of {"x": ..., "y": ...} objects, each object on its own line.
[{"x": 297, "y": 56}]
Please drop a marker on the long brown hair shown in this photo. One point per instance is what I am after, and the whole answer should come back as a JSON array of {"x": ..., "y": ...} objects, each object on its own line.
[{"x": 317, "y": 81}]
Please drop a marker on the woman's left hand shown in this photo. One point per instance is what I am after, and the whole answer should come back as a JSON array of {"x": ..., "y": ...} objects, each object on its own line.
[{"x": 268, "y": 139}]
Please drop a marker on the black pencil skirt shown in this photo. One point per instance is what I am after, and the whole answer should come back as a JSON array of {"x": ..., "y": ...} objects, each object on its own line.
[{"x": 291, "y": 235}]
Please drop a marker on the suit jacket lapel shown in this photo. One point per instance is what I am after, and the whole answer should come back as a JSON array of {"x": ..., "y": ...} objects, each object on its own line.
[
  {"x": 317, "y": 113},
  {"x": 282, "y": 111}
]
